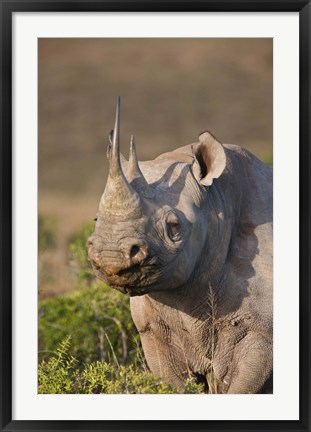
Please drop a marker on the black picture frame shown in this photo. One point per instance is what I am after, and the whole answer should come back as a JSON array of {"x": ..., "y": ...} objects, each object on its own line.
[{"x": 7, "y": 9}]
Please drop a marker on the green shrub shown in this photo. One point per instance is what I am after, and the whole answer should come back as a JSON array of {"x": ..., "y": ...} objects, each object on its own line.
[
  {"x": 60, "y": 374},
  {"x": 78, "y": 252},
  {"x": 98, "y": 320},
  {"x": 46, "y": 233},
  {"x": 105, "y": 378}
]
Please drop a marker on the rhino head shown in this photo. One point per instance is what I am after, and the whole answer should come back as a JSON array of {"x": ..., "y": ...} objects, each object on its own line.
[{"x": 149, "y": 235}]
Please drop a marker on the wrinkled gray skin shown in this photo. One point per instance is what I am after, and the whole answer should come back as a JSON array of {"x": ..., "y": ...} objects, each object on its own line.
[{"x": 190, "y": 241}]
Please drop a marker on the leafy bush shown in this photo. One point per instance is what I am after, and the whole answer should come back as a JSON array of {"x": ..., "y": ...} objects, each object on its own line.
[
  {"x": 47, "y": 242},
  {"x": 60, "y": 375},
  {"x": 78, "y": 251},
  {"x": 46, "y": 233},
  {"x": 57, "y": 375},
  {"x": 98, "y": 320}
]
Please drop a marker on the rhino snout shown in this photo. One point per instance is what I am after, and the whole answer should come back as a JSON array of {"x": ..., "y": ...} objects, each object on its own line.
[
  {"x": 113, "y": 259},
  {"x": 135, "y": 251}
]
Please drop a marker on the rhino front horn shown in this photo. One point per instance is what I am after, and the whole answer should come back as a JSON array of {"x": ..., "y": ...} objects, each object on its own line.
[{"x": 119, "y": 198}]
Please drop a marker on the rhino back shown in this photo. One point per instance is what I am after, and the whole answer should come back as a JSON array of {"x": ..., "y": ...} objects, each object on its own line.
[{"x": 250, "y": 256}]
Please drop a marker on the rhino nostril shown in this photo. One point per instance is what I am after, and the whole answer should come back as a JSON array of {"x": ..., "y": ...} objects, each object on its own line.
[
  {"x": 134, "y": 251},
  {"x": 138, "y": 254}
]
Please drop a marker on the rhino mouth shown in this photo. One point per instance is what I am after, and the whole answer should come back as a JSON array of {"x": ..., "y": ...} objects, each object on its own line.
[
  {"x": 133, "y": 281},
  {"x": 131, "y": 291}
]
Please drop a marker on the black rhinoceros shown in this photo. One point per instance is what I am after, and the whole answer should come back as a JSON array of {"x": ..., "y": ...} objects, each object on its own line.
[{"x": 189, "y": 237}]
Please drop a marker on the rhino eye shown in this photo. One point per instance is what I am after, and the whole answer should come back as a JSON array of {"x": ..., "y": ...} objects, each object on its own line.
[{"x": 173, "y": 227}]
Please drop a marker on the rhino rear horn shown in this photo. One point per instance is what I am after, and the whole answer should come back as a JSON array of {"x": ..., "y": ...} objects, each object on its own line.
[
  {"x": 209, "y": 159},
  {"x": 134, "y": 174}
]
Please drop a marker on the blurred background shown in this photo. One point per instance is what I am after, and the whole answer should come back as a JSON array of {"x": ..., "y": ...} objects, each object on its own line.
[{"x": 171, "y": 90}]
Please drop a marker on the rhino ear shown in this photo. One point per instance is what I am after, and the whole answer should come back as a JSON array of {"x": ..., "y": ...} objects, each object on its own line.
[{"x": 209, "y": 159}]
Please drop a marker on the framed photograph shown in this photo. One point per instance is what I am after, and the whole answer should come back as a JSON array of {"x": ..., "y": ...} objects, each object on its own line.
[{"x": 155, "y": 215}]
